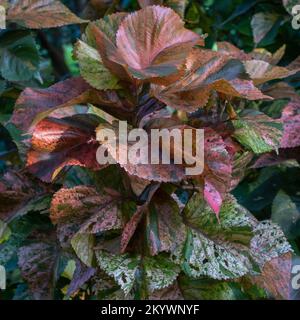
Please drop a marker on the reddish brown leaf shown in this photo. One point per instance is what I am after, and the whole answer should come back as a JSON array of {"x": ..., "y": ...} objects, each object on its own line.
[
  {"x": 156, "y": 48},
  {"x": 131, "y": 226},
  {"x": 82, "y": 209},
  {"x": 64, "y": 139},
  {"x": 217, "y": 171},
  {"x": 291, "y": 125},
  {"x": 231, "y": 50},
  {"x": 17, "y": 191},
  {"x": 207, "y": 71},
  {"x": 275, "y": 277},
  {"x": 38, "y": 14},
  {"x": 33, "y": 102}
]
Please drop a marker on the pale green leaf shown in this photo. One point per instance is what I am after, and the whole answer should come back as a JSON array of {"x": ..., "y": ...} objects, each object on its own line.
[
  {"x": 83, "y": 245},
  {"x": 92, "y": 68}
]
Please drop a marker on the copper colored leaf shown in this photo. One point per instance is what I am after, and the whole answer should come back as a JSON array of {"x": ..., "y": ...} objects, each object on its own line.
[
  {"x": 153, "y": 42},
  {"x": 265, "y": 55},
  {"x": 82, "y": 210},
  {"x": 233, "y": 51},
  {"x": 207, "y": 71},
  {"x": 261, "y": 71},
  {"x": 38, "y": 14},
  {"x": 96, "y": 212},
  {"x": 142, "y": 168},
  {"x": 276, "y": 276},
  {"x": 58, "y": 143},
  {"x": 65, "y": 138},
  {"x": 33, "y": 102},
  {"x": 291, "y": 125},
  {"x": 19, "y": 194}
]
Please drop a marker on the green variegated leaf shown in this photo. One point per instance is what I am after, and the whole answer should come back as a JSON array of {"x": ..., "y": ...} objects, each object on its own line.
[
  {"x": 268, "y": 243},
  {"x": 258, "y": 132},
  {"x": 158, "y": 272},
  {"x": 204, "y": 257},
  {"x": 209, "y": 289},
  {"x": 235, "y": 222},
  {"x": 235, "y": 246},
  {"x": 92, "y": 68}
]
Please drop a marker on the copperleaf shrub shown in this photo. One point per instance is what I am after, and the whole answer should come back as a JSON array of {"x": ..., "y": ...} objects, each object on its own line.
[{"x": 148, "y": 231}]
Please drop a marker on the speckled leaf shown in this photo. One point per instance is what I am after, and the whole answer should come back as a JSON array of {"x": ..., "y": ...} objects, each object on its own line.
[
  {"x": 38, "y": 14},
  {"x": 159, "y": 271},
  {"x": 19, "y": 194},
  {"x": 37, "y": 262},
  {"x": 268, "y": 243},
  {"x": 82, "y": 210},
  {"x": 156, "y": 48},
  {"x": 291, "y": 125},
  {"x": 92, "y": 68},
  {"x": 258, "y": 132},
  {"x": 235, "y": 224},
  {"x": 204, "y": 257}
]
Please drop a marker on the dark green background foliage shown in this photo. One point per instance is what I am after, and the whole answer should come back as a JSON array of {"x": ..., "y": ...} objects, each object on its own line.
[{"x": 40, "y": 58}]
